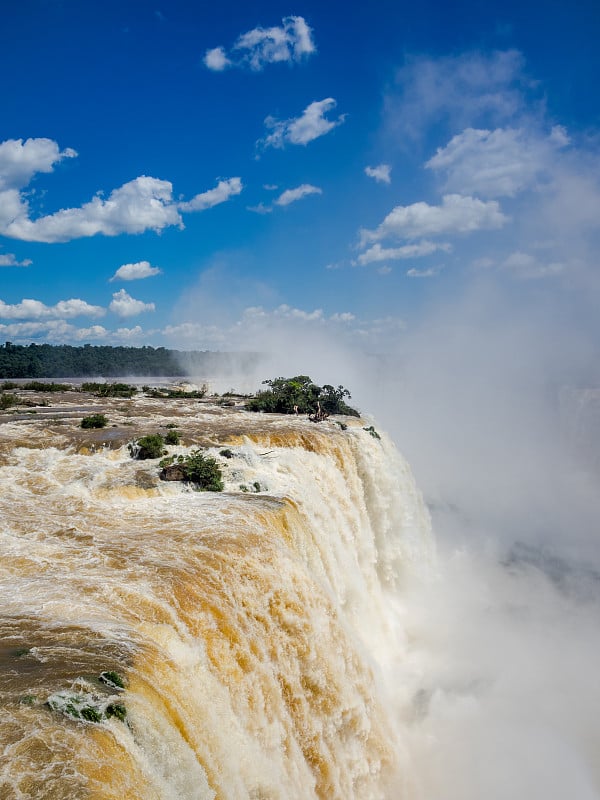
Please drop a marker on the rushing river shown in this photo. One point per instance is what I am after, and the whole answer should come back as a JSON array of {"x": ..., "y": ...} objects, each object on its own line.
[{"x": 253, "y": 630}]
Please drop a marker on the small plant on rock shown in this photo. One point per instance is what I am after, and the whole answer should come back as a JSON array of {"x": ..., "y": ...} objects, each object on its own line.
[
  {"x": 152, "y": 446},
  {"x": 94, "y": 421},
  {"x": 172, "y": 437}
]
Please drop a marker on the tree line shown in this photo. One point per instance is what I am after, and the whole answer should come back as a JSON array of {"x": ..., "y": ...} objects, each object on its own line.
[{"x": 67, "y": 361}]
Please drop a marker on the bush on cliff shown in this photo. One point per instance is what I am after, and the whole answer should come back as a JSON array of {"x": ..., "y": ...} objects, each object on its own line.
[
  {"x": 197, "y": 468},
  {"x": 288, "y": 395}
]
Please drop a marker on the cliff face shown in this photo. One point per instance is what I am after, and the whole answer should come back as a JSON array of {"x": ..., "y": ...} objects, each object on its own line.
[{"x": 249, "y": 627}]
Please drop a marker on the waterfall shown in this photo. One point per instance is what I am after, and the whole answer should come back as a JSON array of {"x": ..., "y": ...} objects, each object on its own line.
[{"x": 254, "y": 630}]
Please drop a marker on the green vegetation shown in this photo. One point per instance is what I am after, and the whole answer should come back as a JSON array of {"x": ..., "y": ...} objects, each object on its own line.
[
  {"x": 39, "y": 386},
  {"x": 90, "y": 714},
  {"x": 172, "y": 437},
  {"x": 65, "y": 361},
  {"x": 226, "y": 453},
  {"x": 196, "y": 468},
  {"x": 168, "y": 394},
  {"x": 109, "y": 389},
  {"x": 112, "y": 679},
  {"x": 151, "y": 446},
  {"x": 7, "y": 401},
  {"x": 372, "y": 431},
  {"x": 89, "y": 706},
  {"x": 28, "y": 700},
  {"x": 94, "y": 421},
  {"x": 117, "y": 710},
  {"x": 301, "y": 395}
]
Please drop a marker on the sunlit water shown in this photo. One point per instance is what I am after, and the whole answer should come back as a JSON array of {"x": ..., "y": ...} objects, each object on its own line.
[{"x": 257, "y": 631}]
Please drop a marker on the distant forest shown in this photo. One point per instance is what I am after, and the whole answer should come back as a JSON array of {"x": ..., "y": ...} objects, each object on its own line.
[{"x": 65, "y": 361}]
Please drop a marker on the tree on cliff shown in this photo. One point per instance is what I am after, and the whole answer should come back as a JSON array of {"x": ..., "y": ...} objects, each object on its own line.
[{"x": 300, "y": 395}]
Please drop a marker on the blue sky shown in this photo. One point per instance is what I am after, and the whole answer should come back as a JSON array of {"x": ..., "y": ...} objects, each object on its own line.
[{"x": 198, "y": 175}]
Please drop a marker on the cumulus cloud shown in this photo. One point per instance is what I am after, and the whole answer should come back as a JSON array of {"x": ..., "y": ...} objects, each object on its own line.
[
  {"x": 292, "y": 195},
  {"x": 216, "y": 59},
  {"x": 381, "y": 173},
  {"x": 310, "y": 125},
  {"x": 62, "y": 332},
  {"x": 123, "y": 305},
  {"x": 142, "y": 204},
  {"x": 288, "y": 43},
  {"x": 213, "y": 197},
  {"x": 128, "y": 334},
  {"x": 456, "y": 214},
  {"x": 34, "y": 309},
  {"x": 21, "y": 160},
  {"x": 132, "y": 272},
  {"x": 497, "y": 163},
  {"x": 378, "y": 253},
  {"x": 10, "y": 260}
]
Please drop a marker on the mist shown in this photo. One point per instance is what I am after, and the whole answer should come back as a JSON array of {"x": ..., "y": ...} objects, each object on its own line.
[{"x": 493, "y": 399}]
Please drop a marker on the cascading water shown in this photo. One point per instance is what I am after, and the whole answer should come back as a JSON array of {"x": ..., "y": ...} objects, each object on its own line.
[{"x": 254, "y": 630}]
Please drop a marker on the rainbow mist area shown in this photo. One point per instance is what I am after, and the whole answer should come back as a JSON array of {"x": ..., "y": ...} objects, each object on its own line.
[{"x": 256, "y": 630}]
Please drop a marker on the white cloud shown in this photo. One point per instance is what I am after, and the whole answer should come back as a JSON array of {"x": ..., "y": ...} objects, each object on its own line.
[
  {"x": 378, "y": 253},
  {"x": 497, "y": 163},
  {"x": 10, "y": 260},
  {"x": 381, "y": 173},
  {"x": 292, "y": 195},
  {"x": 216, "y": 59},
  {"x": 20, "y": 161},
  {"x": 143, "y": 203},
  {"x": 60, "y": 331},
  {"x": 303, "y": 129},
  {"x": 261, "y": 208},
  {"x": 213, "y": 197},
  {"x": 423, "y": 273},
  {"x": 456, "y": 214},
  {"x": 385, "y": 270},
  {"x": 123, "y": 305},
  {"x": 526, "y": 266},
  {"x": 128, "y": 334},
  {"x": 93, "y": 332},
  {"x": 132, "y": 272},
  {"x": 469, "y": 89},
  {"x": 34, "y": 309},
  {"x": 288, "y": 43}
]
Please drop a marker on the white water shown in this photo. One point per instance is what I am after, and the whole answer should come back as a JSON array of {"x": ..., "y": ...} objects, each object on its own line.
[{"x": 261, "y": 635}]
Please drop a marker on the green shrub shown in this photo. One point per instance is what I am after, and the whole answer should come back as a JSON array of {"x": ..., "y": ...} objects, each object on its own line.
[
  {"x": 151, "y": 446},
  {"x": 7, "y": 401},
  {"x": 203, "y": 471},
  {"x": 226, "y": 453},
  {"x": 94, "y": 421},
  {"x": 199, "y": 469},
  {"x": 371, "y": 430},
  {"x": 169, "y": 394},
  {"x": 172, "y": 437},
  {"x": 117, "y": 710},
  {"x": 91, "y": 714},
  {"x": 39, "y": 386},
  {"x": 109, "y": 389},
  {"x": 288, "y": 395}
]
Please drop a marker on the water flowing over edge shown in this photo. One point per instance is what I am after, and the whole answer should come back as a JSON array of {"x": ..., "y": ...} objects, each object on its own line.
[{"x": 257, "y": 631}]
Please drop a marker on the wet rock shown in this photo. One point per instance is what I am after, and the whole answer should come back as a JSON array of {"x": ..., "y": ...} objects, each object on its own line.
[{"x": 173, "y": 472}]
